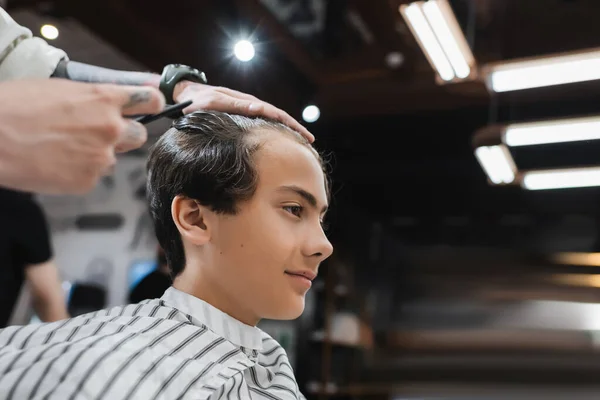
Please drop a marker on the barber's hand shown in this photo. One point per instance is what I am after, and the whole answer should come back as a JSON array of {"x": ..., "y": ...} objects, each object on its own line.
[
  {"x": 206, "y": 97},
  {"x": 60, "y": 137}
]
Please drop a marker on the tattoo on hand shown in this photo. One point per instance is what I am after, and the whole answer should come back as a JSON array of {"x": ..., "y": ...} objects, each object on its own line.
[{"x": 138, "y": 97}]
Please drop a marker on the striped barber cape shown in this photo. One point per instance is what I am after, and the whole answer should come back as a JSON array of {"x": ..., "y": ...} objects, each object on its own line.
[{"x": 175, "y": 347}]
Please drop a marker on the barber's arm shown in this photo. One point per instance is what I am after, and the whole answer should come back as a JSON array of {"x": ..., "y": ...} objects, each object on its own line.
[
  {"x": 22, "y": 55},
  {"x": 46, "y": 289},
  {"x": 77, "y": 127},
  {"x": 33, "y": 244},
  {"x": 194, "y": 87},
  {"x": 25, "y": 56}
]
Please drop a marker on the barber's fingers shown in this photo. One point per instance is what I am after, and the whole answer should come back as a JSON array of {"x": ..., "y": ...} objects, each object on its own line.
[
  {"x": 235, "y": 93},
  {"x": 272, "y": 112},
  {"x": 142, "y": 100},
  {"x": 254, "y": 107},
  {"x": 132, "y": 100},
  {"x": 133, "y": 136},
  {"x": 258, "y": 107}
]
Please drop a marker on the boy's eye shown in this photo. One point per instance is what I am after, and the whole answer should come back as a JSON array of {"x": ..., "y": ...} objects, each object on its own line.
[{"x": 295, "y": 210}]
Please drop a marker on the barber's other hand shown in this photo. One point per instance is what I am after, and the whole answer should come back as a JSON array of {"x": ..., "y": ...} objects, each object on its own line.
[
  {"x": 206, "y": 97},
  {"x": 60, "y": 137}
]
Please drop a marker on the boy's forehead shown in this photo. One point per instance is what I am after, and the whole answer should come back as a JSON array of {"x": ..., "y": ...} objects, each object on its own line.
[
  {"x": 285, "y": 152},
  {"x": 281, "y": 160}
]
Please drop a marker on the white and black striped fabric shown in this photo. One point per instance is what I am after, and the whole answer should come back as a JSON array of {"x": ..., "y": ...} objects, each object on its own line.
[{"x": 175, "y": 347}]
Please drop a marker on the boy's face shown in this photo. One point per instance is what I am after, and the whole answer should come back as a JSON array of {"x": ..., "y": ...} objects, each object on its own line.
[{"x": 256, "y": 255}]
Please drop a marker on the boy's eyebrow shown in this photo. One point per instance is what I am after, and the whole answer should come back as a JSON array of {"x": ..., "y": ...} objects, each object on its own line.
[{"x": 309, "y": 197}]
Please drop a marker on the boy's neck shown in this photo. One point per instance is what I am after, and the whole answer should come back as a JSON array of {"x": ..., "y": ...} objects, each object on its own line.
[{"x": 192, "y": 282}]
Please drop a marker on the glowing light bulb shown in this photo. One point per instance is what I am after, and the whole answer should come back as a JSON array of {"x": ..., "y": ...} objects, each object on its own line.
[
  {"x": 50, "y": 32},
  {"x": 244, "y": 50},
  {"x": 311, "y": 113}
]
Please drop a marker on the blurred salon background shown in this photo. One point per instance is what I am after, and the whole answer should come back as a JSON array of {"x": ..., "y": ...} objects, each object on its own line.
[{"x": 463, "y": 140}]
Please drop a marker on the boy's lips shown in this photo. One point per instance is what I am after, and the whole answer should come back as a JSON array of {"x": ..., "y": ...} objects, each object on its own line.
[{"x": 303, "y": 273}]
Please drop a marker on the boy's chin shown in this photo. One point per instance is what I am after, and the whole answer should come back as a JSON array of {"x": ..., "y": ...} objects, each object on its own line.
[{"x": 290, "y": 311}]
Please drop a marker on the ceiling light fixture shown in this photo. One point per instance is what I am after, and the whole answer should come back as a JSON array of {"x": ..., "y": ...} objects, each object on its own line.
[
  {"x": 497, "y": 163},
  {"x": 311, "y": 113},
  {"x": 492, "y": 149},
  {"x": 581, "y": 259},
  {"x": 394, "y": 59},
  {"x": 50, "y": 32},
  {"x": 244, "y": 50},
  {"x": 439, "y": 35},
  {"x": 554, "y": 131},
  {"x": 543, "y": 71},
  {"x": 561, "y": 179}
]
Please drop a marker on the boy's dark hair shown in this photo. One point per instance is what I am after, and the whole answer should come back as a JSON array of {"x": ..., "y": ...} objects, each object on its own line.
[{"x": 206, "y": 156}]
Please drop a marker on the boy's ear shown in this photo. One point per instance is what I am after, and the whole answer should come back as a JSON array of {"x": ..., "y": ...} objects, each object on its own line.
[{"x": 190, "y": 217}]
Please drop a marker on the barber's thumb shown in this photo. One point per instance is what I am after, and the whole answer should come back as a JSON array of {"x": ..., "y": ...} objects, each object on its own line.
[{"x": 134, "y": 137}]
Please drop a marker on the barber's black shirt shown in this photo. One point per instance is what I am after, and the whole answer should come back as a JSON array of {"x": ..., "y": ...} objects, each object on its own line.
[{"x": 24, "y": 240}]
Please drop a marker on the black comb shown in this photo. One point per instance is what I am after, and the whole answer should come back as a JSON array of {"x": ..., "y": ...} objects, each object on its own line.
[{"x": 168, "y": 111}]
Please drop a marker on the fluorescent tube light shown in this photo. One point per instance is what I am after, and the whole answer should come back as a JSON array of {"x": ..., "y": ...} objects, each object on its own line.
[
  {"x": 447, "y": 36},
  {"x": 544, "y": 71},
  {"x": 439, "y": 35},
  {"x": 497, "y": 163},
  {"x": 558, "y": 131},
  {"x": 428, "y": 42},
  {"x": 583, "y": 259},
  {"x": 562, "y": 179}
]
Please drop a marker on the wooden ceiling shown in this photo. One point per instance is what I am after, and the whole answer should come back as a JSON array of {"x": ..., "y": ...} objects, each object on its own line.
[{"x": 330, "y": 52}]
